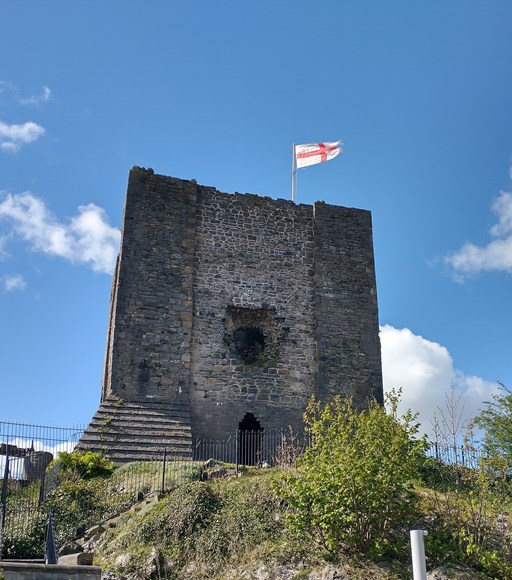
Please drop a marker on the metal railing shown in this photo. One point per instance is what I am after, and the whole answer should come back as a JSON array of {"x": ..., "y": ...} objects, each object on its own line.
[
  {"x": 29, "y": 489},
  {"x": 465, "y": 455}
]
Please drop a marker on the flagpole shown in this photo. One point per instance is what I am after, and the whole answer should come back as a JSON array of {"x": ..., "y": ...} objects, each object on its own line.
[{"x": 293, "y": 171}]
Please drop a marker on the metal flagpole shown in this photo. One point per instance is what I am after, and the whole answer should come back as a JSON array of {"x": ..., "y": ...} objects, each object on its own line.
[{"x": 293, "y": 171}]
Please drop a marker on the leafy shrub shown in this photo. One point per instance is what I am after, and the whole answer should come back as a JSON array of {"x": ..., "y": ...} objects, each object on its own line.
[
  {"x": 84, "y": 503},
  {"x": 468, "y": 511},
  {"x": 25, "y": 541},
  {"x": 352, "y": 489},
  {"x": 85, "y": 464}
]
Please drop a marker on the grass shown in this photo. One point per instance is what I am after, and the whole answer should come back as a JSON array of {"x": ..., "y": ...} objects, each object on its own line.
[
  {"x": 216, "y": 530},
  {"x": 81, "y": 503},
  {"x": 236, "y": 528}
]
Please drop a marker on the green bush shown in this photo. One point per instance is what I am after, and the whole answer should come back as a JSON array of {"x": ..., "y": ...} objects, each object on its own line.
[
  {"x": 468, "y": 511},
  {"x": 353, "y": 486},
  {"x": 25, "y": 541},
  {"x": 85, "y": 464}
]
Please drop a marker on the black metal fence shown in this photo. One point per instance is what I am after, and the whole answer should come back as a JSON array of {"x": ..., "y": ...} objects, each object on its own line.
[
  {"x": 466, "y": 455},
  {"x": 29, "y": 489},
  {"x": 25, "y": 453}
]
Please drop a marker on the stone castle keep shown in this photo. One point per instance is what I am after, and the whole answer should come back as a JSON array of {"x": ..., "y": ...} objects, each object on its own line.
[{"x": 230, "y": 311}]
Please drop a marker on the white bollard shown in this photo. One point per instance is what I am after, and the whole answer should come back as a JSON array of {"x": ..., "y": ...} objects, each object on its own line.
[{"x": 419, "y": 567}]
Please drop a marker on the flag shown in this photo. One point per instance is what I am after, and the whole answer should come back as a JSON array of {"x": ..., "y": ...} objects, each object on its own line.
[{"x": 313, "y": 153}]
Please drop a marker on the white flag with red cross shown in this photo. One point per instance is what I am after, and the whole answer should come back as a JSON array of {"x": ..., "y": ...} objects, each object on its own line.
[{"x": 313, "y": 153}]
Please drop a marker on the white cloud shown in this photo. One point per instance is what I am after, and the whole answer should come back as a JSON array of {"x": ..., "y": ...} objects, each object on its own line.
[
  {"x": 3, "y": 243},
  {"x": 37, "y": 99},
  {"x": 12, "y": 137},
  {"x": 87, "y": 239},
  {"x": 13, "y": 283},
  {"x": 425, "y": 372},
  {"x": 11, "y": 92},
  {"x": 497, "y": 254}
]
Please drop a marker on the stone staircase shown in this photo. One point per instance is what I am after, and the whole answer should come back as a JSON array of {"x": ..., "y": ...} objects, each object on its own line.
[{"x": 139, "y": 430}]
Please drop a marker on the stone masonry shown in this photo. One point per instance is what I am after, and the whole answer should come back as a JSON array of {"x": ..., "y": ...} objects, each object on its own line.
[{"x": 229, "y": 304}]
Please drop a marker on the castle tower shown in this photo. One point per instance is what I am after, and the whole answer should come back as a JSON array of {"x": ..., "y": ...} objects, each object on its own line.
[{"x": 228, "y": 308}]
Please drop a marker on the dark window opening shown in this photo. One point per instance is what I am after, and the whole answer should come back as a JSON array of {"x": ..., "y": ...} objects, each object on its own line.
[
  {"x": 249, "y": 431},
  {"x": 249, "y": 343}
]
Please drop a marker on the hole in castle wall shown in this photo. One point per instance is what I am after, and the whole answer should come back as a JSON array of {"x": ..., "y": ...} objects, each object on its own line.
[
  {"x": 249, "y": 343},
  {"x": 254, "y": 336}
]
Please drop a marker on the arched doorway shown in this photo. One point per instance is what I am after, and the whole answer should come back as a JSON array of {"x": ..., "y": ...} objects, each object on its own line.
[{"x": 249, "y": 436}]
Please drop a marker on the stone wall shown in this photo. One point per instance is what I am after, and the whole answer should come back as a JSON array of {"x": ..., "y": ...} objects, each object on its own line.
[
  {"x": 148, "y": 348},
  {"x": 347, "y": 328},
  {"x": 237, "y": 304},
  {"x": 253, "y": 270}
]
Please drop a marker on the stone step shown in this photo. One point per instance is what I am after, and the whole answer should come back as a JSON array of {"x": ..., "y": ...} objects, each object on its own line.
[
  {"x": 135, "y": 414},
  {"x": 157, "y": 439},
  {"x": 139, "y": 430},
  {"x": 175, "y": 410},
  {"x": 159, "y": 428},
  {"x": 109, "y": 422},
  {"x": 126, "y": 454},
  {"x": 147, "y": 404},
  {"x": 150, "y": 450}
]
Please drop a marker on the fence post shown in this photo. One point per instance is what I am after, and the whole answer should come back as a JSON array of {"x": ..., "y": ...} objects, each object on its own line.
[
  {"x": 163, "y": 471},
  {"x": 419, "y": 568},
  {"x": 42, "y": 490},
  {"x": 237, "y": 432},
  {"x": 3, "y": 499},
  {"x": 51, "y": 547}
]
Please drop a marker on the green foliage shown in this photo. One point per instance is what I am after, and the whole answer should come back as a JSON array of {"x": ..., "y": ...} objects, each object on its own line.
[
  {"x": 81, "y": 500},
  {"x": 82, "y": 504},
  {"x": 496, "y": 421},
  {"x": 468, "y": 511},
  {"x": 85, "y": 464},
  {"x": 25, "y": 541},
  {"x": 196, "y": 530},
  {"x": 176, "y": 473},
  {"x": 352, "y": 489},
  {"x": 168, "y": 531},
  {"x": 80, "y": 494}
]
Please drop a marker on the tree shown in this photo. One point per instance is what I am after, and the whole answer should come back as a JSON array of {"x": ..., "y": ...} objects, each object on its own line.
[
  {"x": 448, "y": 422},
  {"x": 352, "y": 488},
  {"x": 496, "y": 421}
]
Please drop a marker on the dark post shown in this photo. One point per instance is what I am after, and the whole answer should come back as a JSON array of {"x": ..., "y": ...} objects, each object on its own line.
[
  {"x": 41, "y": 489},
  {"x": 163, "y": 470},
  {"x": 51, "y": 546},
  {"x": 3, "y": 499},
  {"x": 237, "y": 435}
]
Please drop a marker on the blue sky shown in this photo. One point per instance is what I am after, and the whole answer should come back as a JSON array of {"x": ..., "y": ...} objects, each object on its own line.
[{"x": 420, "y": 93}]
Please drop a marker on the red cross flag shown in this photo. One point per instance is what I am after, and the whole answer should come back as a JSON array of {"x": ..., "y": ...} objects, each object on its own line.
[{"x": 313, "y": 153}]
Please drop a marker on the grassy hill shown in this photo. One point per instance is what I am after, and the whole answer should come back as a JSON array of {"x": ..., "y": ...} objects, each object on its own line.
[{"x": 237, "y": 528}]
